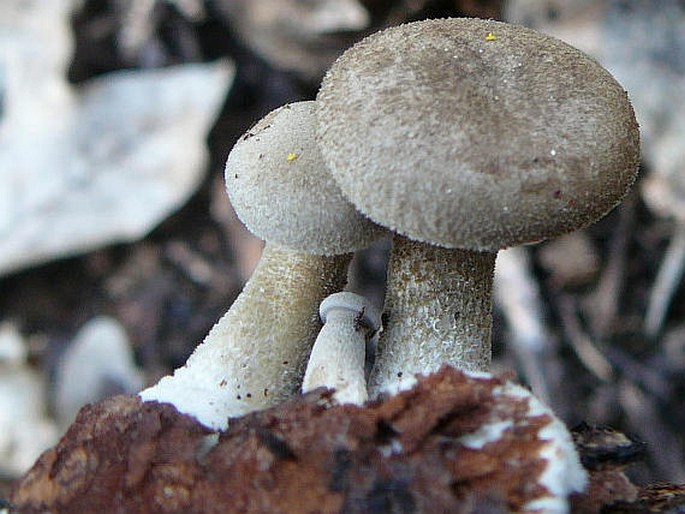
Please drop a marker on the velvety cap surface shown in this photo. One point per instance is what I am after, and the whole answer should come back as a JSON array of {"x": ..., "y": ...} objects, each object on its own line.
[
  {"x": 476, "y": 134},
  {"x": 282, "y": 191}
]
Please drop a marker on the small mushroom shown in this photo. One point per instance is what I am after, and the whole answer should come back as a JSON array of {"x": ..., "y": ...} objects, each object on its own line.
[
  {"x": 337, "y": 359},
  {"x": 256, "y": 354},
  {"x": 466, "y": 136}
]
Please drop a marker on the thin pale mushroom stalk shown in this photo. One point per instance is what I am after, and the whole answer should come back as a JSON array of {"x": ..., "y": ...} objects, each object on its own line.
[
  {"x": 338, "y": 357},
  {"x": 440, "y": 298},
  {"x": 255, "y": 356}
]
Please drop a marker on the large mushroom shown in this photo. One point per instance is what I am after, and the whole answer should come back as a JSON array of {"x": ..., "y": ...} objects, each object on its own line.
[
  {"x": 465, "y": 136},
  {"x": 256, "y": 354}
]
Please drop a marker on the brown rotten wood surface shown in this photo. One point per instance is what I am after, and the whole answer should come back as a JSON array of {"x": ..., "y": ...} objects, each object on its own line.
[{"x": 403, "y": 454}]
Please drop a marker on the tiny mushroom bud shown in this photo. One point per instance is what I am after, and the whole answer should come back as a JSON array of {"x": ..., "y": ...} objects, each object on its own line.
[
  {"x": 337, "y": 359},
  {"x": 457, "y": 442},
  {"x": 256, "y": 354},
  {"x": 466, "y": 136}
]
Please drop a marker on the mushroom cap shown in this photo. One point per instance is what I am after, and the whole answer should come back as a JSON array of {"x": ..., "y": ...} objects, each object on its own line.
[
  {"x": 365, "y": 312},
  {"x": 281, "y": 189},
  {"x": 476, "y": 134}
]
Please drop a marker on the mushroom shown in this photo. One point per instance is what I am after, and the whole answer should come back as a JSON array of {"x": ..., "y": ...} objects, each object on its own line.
[
  {"x": 256, "y": 354},
  {"x": 337, "y": 358},
  {"x": 466, "y": 136}
]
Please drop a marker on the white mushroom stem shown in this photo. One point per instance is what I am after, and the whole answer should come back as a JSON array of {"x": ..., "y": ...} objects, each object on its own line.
[
  {"x": 255, "y": 356},
  {"x": 439, "y": 311},
  {"x": 337, "y": 359}
]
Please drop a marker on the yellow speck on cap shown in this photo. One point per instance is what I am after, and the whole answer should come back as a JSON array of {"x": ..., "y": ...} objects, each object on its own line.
[
  {"x": 291, "y": 157},
  {"x": 490, "y": 36}
]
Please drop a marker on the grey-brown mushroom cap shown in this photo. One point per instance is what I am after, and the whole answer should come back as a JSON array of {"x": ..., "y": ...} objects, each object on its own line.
[
  {"x": 476, "y": 134},
  {"x": 281, "y": 189}
]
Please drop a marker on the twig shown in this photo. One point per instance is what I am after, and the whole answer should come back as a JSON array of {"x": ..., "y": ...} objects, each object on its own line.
[
  {"x": 535, "y": 348},
  {"x": 666, "y": 283},
  {"x": 663, "y": 447},
  {"x": 653, "y": 380},
  {"x": 605, "y": 299},
  {"x": 593, "y": 359}
]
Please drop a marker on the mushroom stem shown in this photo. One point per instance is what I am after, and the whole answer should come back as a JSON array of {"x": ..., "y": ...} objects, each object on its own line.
[
  {"x": 439, "y": 311},
  {"x": 256, "y": 354},
  {"x": 337, "y": 359}
]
